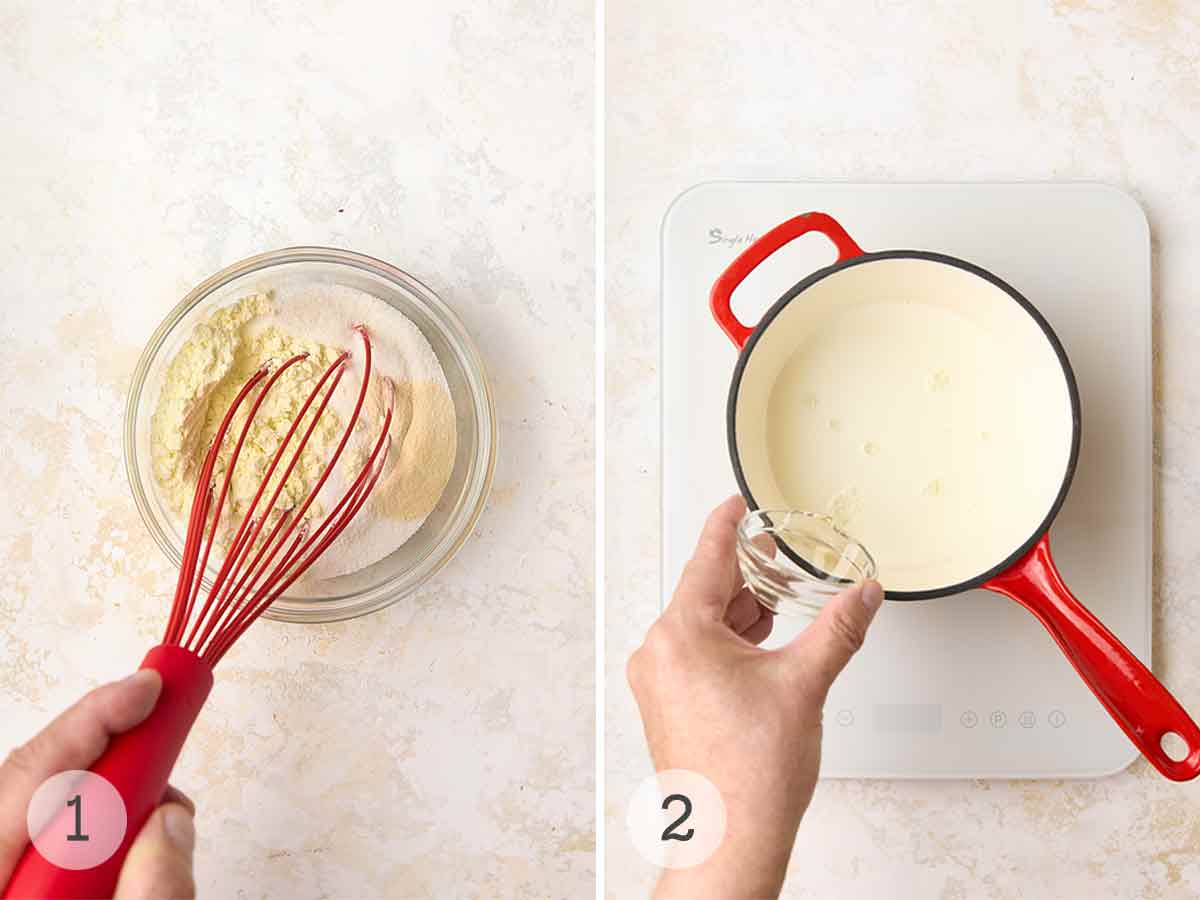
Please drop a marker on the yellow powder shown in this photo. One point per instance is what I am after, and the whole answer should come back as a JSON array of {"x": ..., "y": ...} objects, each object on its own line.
[{"x": 202, "y": 382}]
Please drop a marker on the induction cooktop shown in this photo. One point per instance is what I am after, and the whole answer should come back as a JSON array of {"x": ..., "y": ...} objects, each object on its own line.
[{"x": 968, "y": 686}]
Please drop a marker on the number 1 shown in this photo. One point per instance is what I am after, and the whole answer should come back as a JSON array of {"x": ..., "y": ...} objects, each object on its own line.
[{"x": 77, "y": 802}]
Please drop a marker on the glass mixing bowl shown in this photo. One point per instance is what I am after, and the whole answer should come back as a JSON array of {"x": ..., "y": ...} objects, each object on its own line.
[{"x": 450, "y": 522}]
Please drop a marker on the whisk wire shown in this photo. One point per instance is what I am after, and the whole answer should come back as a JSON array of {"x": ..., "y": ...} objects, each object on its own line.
[
  {"x": 255, "y": 570},
  {"x": 241, "y": 596},
  {"x": 184, "y": 593},
  {"x": 248, "y": 516},
  {"x": 229, "y": 601},
  {"x": 224, "y": 590},
  {"x": 333, "y": 525}
]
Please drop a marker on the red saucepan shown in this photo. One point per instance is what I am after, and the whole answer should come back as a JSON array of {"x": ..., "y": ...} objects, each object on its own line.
[{"x": 931, "y": 410}]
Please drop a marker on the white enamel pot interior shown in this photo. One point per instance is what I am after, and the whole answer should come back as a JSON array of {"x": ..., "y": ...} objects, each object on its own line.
[{"x": 930, "y": 410}]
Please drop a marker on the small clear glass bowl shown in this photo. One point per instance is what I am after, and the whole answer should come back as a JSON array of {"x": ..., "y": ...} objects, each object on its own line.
[
  {"x": 451, "y": 521},
  {"x": 818, "y": 559}
]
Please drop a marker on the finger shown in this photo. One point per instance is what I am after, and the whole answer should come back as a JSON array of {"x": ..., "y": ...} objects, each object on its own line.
[
  {"x": 174, "y": 795},
  {"x": 760, "y": 630},
  {"x": 74, "y": 740},
  {"x": 159, "y": 864},
  {"x": 709, "y": 582},
  {"x": 744, "y": 610},
  {"x": 765, "y": 544},
  {"x": 837, "y": 633}
]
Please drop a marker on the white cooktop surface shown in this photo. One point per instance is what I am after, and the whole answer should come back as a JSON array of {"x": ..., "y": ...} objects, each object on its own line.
[{"x": 969, "y": 686}]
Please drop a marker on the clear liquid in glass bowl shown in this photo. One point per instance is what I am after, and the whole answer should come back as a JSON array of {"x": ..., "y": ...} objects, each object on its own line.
[{"x": 831, "y": 560}]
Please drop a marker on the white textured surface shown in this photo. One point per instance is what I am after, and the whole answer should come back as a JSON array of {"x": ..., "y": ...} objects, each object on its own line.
[
  {"x": 443, "y": 747},
  {"x": 1101, "y": 91}
]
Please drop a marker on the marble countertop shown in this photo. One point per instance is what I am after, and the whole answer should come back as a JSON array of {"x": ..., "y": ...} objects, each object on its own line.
[
  {"x": 1092, "y": 89},
  {"x": 440, "y": 748}
]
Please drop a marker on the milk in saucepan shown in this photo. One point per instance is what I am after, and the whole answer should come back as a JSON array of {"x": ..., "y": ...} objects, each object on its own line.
[{"x": 920, "y": 406}]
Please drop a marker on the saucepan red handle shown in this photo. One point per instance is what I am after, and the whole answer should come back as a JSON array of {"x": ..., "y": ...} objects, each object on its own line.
[
  {"x": 138, "y": 764},
  {"x": 748, "y": 260},
  {"x": 1135, "y": 699}
]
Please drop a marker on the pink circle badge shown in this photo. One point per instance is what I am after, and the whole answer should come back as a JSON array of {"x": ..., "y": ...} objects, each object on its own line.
[{"x": 76, "y": 819}]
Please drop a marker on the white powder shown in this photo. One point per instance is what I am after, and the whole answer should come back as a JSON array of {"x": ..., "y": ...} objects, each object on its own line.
[{"x": 328, "y": 314}]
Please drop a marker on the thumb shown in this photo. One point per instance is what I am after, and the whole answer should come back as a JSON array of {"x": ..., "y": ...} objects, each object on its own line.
[
  {"x": 837, "y": 633},
  {"x": 159, "y": 864}
]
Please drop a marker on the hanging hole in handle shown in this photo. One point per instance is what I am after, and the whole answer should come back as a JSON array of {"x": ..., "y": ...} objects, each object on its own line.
[
  {"x": 1174, "y": 746},
  {"x": 778, "y": 273}
]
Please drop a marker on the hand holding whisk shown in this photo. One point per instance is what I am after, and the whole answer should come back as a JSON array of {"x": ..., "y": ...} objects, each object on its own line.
[{"x": 259, "y": 565}]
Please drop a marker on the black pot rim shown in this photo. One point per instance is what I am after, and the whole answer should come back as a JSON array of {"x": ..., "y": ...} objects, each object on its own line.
[{"x": 1021, "y": 300}]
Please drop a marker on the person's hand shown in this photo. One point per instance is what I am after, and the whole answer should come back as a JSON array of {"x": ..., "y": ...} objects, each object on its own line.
[
  {"x": 747, "y": 719},
  {"x": 159, "y": 864}
]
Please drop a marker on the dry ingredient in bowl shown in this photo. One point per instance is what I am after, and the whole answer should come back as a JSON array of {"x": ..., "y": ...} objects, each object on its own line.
[{"x": 225, "y": 349}]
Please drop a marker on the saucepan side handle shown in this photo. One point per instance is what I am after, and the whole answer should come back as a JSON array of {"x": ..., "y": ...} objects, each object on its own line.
[{"x": 748, "y": 260}]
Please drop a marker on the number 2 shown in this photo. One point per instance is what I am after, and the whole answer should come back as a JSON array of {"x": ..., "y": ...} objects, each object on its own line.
[
  {"x": 77, "y": 802},
  {"x": 669, "y": 833}
]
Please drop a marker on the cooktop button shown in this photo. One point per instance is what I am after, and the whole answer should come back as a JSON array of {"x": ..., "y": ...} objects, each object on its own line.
[
  {"x": 1056, "y": 718},
  {"x": 845, "y": 717},
  {"x": 1027, "y": 719},
  {"x": 969, "y": 719},
  {"x": 998, "y": 719}
]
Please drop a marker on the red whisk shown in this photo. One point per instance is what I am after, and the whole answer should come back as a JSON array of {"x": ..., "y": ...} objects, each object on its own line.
[{"x": 255, "y": 571}]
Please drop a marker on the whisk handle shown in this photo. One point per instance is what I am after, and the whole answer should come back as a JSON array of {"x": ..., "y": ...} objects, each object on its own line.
[{"x": 138, "y": 764}]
